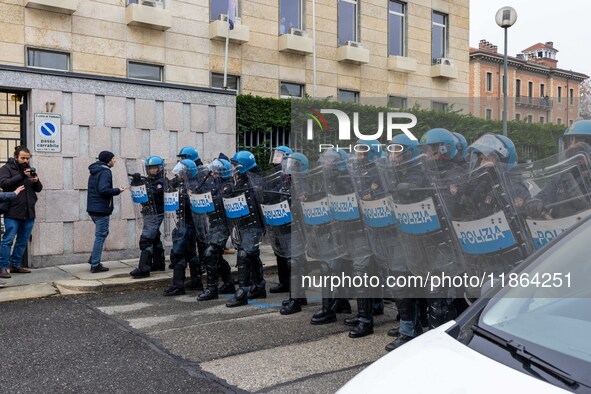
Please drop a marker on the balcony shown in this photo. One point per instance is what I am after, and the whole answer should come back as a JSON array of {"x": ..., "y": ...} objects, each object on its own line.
[
  {"x": 296, "y": 41},
  {"x": 402, "y": 64},
  {"x": 543, "y": 103},
  {"x": 148, "y": 13},
  {"x": 218, "y": 30},
  {"x": 61, "y": 6},
  {"x": 353, "y": 52},
  {"x": 444, "y": 68}
]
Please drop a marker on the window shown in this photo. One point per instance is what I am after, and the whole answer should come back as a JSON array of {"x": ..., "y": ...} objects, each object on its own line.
[
  {"x": 217, "y": 81},
  {"x": 220, "y": 7},
  {"x": 290, "y": 15},
  {"x": 530, "y": 90},
  {"x": 438, "y": 36},
  {"x": 348, "y": 96},
  {"x": 541, "y": 119},
  {"x": 518, "y": 117},
  {"x": 397, "y": 102},
  {"x": 48, "y": 59},
  {"x": 571, "y": 96},
  {"x": 488, "y": 82},
  {"x": 438, "y": 106},
  {"x": 347, "y": 21},
  {"x": 291, "y": 90},
  {"x": 559, "y": 94},
  {"x": 558, "y": 121},
  {"x": 150, "y": 72},
  {"x": 518, "y": 88},
  {"x": 542, "y": 90},
  {"x": 488, "y": 114},
  {"x": 530, "y": 118},
  {"x": 396, "y": 28}
]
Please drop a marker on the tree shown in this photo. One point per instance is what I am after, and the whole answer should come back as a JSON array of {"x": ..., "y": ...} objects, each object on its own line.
[{"x": 585, "y": 102}]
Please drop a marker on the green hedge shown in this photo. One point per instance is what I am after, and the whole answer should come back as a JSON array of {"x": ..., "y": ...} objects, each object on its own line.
[{"x": 258, "y": 113}]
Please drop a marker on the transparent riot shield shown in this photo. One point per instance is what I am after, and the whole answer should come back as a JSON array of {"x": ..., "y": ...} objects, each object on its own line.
[
  {"x": 276, "y": 209},
  {"x": 426, "y": 235},
  {"x": 240, "y": 198},
  {"x": 560, "y": 188},
  {"x": 144, "y": 206},
  {"x": 377, "y": 213},
  {"x": 317, "y": 219},
  {"x": 175, "y": 202},
  {"x": 489, "y": 233},
  {"x": 199, "y": 189},
  {"x": 349, "y": 228}
]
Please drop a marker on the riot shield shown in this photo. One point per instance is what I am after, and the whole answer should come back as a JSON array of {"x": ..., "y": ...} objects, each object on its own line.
[
  {"x": 317, "y": 219},
  {"x": 276, "y": 209},
  {"x": 376, "y": 210},
  {"x": 199, "y": 190},
  {"x": 560, "y": 188},
  {"x": 489, "y": 233},
  {"x": 349, "y": 228},
  {"x": 240, "y": 196},
  {"x": 144, "y": 206},
  {"x": 175, "y": 202},
  {"x": 426, "y": 234}
]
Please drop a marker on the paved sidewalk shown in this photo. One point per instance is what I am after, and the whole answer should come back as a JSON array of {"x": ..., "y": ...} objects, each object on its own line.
[{"x": 77, "y": 278}]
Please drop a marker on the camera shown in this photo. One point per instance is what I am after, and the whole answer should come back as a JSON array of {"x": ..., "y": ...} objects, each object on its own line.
[{"x": 32, "y": 172}]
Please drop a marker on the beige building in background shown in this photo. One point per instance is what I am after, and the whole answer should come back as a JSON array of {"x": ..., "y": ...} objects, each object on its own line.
[{"x": 145, "y": 78}]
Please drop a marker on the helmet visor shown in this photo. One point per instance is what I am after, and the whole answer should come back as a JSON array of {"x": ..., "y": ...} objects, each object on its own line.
[
  {"x": 488, "y": 145},
  {"x": 276, "y": 157},
  {"x": 290, "y": 166}
]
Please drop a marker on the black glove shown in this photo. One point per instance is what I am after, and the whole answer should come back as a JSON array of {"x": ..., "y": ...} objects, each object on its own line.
[{"x": 534, "y": 208}]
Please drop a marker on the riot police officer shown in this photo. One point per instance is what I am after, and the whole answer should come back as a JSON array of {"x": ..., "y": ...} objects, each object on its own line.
[
  {"x": 217, "y": 234},
  {"x": 152, "y": 210},
  {"x": 283, "y": 266},
  {"x": 195, "y": 265},
  {"x": 241, "y": 206},
  {"x": 183, "y": 236}
]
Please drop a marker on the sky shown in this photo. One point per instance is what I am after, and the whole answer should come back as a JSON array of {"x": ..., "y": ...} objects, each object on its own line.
[{"x": 567, "y": 23}]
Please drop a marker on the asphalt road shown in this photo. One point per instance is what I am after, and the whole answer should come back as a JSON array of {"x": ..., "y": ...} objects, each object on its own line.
[{"x": 140, "y": 341}]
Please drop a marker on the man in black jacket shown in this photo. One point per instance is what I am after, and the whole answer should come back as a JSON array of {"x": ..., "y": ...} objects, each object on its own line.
[
  {"x": 20, "y": 217},
  {"x": 99, "y": 204}
]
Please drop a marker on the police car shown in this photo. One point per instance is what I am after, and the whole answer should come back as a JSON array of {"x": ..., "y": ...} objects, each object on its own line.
[{"x": 532, "y": 335}]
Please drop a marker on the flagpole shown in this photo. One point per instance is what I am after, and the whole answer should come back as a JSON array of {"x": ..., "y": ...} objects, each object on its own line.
[
  {"x": 226, "y": 58},
  {"x": 314, "y": 47}
]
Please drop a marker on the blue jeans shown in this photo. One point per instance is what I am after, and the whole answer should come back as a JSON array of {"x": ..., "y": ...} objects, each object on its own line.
[
  {"x": 100, "y": 234},
  {"x": 21, "y": 229}
]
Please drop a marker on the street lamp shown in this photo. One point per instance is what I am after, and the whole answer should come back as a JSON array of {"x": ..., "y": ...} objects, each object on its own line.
[{"x": 505, "y": 18}]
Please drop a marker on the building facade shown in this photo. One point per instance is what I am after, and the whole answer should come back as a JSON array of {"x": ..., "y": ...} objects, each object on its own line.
[
  {"x": 144, "y": 77},
  {"x": 538, "y": 91}
]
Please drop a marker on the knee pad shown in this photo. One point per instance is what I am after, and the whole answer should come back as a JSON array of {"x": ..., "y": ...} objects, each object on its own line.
[{"x": 145, "y": 243}]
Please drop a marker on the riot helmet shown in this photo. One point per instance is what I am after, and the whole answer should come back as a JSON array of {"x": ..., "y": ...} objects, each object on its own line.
[
  {"x": 188, "y": 152},
  {"x": 221, "y": 168},
  {"x": 244, "y": 161},
  {"x": 335, "y": 159},
  {"x": 410, "y": 148},
  {"x": 439, "y": 144},
  {"x": 492, "y": 148},
  {"x": 463, "y": 145},
  {"x": 278, "y": 154},
  {"x": 579, "y": 131},
  {"x": 369, "y": 150},
  {"x": 154, "y": 166},
  {"x": 187, "y": 167},
  {"x": 294, "y": 163}
]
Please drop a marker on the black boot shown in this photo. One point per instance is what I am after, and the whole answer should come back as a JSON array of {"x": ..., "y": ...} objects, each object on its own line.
[
  {"x": 294, "y": 306},
  {"x": 240, "y": 298},
  {"x": 158, "y": 258},
  {"x": 365, "y": 319},
  {"x": 178, "y": 280},
  {"x": 195, "y": 283},
  {"x": 210, "y": 293},
  {"x": 401, "y": 340},
  {"x": 257, "y": 290},
  {"x": 226, "y": 274},
  {"x": 303, "y": 302},
  {"x": 143, "y": 269},
  {"x": 325, "y": 315},
  {"x": 342, "y": 306},
  {"x": 244, "y": 268}
]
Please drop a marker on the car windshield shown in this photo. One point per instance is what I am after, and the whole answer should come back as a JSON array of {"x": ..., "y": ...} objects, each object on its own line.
[{"x": 550, "y": 309}]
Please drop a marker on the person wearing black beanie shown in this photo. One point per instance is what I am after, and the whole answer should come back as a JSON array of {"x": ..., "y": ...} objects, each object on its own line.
[{"x": 99, "y": 204}]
